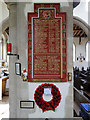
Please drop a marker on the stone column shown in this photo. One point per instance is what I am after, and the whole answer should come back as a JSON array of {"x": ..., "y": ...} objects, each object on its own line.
[{"x": 12, "y": 59}]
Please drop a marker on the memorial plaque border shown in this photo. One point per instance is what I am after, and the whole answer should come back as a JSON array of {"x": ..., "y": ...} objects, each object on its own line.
[{"x": 61, "y": 15}]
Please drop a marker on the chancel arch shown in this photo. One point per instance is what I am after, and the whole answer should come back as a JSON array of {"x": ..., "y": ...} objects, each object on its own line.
[{"x": 4, "y": 37}]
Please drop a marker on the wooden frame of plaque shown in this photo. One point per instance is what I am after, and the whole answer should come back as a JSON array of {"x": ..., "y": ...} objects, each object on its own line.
[
  {"x": 18, "y": 68},
  {"x": 47, "y": 47},
  {"x": 27, "y": 104}
]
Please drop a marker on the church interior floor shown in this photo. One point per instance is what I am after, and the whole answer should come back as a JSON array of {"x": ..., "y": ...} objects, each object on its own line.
[{"x": 4, "y": 107}]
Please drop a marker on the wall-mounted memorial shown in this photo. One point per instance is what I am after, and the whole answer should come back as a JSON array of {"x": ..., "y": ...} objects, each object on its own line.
[
  {"x": 47, "y": 105},
  {"x": 47, "y": 49}
]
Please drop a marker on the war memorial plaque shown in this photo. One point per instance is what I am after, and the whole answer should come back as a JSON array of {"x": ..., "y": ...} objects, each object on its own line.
[{"x": 47, "y": 44}]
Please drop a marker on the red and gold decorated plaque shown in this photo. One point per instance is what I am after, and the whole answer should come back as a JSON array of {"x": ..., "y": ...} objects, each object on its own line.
[{"x": 47, "y": 57}]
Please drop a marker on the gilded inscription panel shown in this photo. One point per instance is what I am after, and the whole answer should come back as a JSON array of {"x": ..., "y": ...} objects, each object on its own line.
[{"x": 47, "y": 44}]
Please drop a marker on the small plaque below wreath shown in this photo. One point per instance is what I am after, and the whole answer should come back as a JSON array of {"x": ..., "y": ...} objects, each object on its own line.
[{"x": 47, "y": 105}]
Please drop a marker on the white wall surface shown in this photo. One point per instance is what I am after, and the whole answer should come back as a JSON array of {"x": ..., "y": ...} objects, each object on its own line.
[
  {"x": 82, "y": 10},
  {"x": 61, "y": 110},
  {"x": 0, "y": 49},
  {"x": 89, "y": 53},
  {"x": 0, "y": 88},
  {"x": 20, "y": 90},
  {"x": 4, "y": 12}
]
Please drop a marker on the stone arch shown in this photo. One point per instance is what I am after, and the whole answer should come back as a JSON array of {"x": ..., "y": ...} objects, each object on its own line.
[
  {"x": 4, "y": 35},
  {"x": 78, "y": 21},
  {"x": 4, "y": 25}
]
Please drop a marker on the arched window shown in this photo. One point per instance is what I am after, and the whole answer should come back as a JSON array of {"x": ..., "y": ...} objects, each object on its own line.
[
  {"x": 74, "y": 52},
  {"x": 3, "y": 48},
  {"x": 0, "y": 49},
  {"x": 87, "y": 51}
]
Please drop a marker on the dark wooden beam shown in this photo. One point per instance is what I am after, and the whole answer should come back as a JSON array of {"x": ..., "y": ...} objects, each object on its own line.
[
  {"x": 75, "y": 4},
  {"x": 7, "y": 30},
  {"x": 80, "y": 40}
]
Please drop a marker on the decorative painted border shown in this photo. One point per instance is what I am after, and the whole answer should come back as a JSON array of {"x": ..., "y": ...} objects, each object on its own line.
[
  {"x": 62, "y": 16},
  {"x": 33, "y": 45}
]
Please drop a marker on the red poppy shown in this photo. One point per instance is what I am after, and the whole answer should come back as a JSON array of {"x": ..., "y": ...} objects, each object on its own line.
[{"x": 53, "y": 103}]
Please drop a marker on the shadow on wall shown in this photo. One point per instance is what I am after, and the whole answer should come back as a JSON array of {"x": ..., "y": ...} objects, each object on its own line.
[
  {"x": 22, "y": 41},
  {"x": 69, "y": 102}
]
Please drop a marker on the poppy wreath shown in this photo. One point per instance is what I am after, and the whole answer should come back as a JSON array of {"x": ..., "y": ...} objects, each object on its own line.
[{"x": 47, "y": 105}]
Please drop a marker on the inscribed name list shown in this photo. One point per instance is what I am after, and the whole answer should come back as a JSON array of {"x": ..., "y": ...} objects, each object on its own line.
[{"x": 47, "y": 56}]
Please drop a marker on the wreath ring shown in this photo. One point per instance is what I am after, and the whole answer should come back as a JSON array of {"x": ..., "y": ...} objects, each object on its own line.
[{"x": 47, "y": 105}]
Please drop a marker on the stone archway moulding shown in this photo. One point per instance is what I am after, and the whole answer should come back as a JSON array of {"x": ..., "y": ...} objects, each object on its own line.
[
  {"x": 4, "y": 25},
  {"x": 78, "y": 21}
]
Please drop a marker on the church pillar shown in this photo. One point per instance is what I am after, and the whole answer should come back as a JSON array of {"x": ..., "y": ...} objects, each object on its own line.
[{"x": 12, "y": 59}]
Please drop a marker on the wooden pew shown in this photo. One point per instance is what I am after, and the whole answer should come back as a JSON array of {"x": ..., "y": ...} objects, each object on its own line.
[{"x": 4, "y": 79}]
